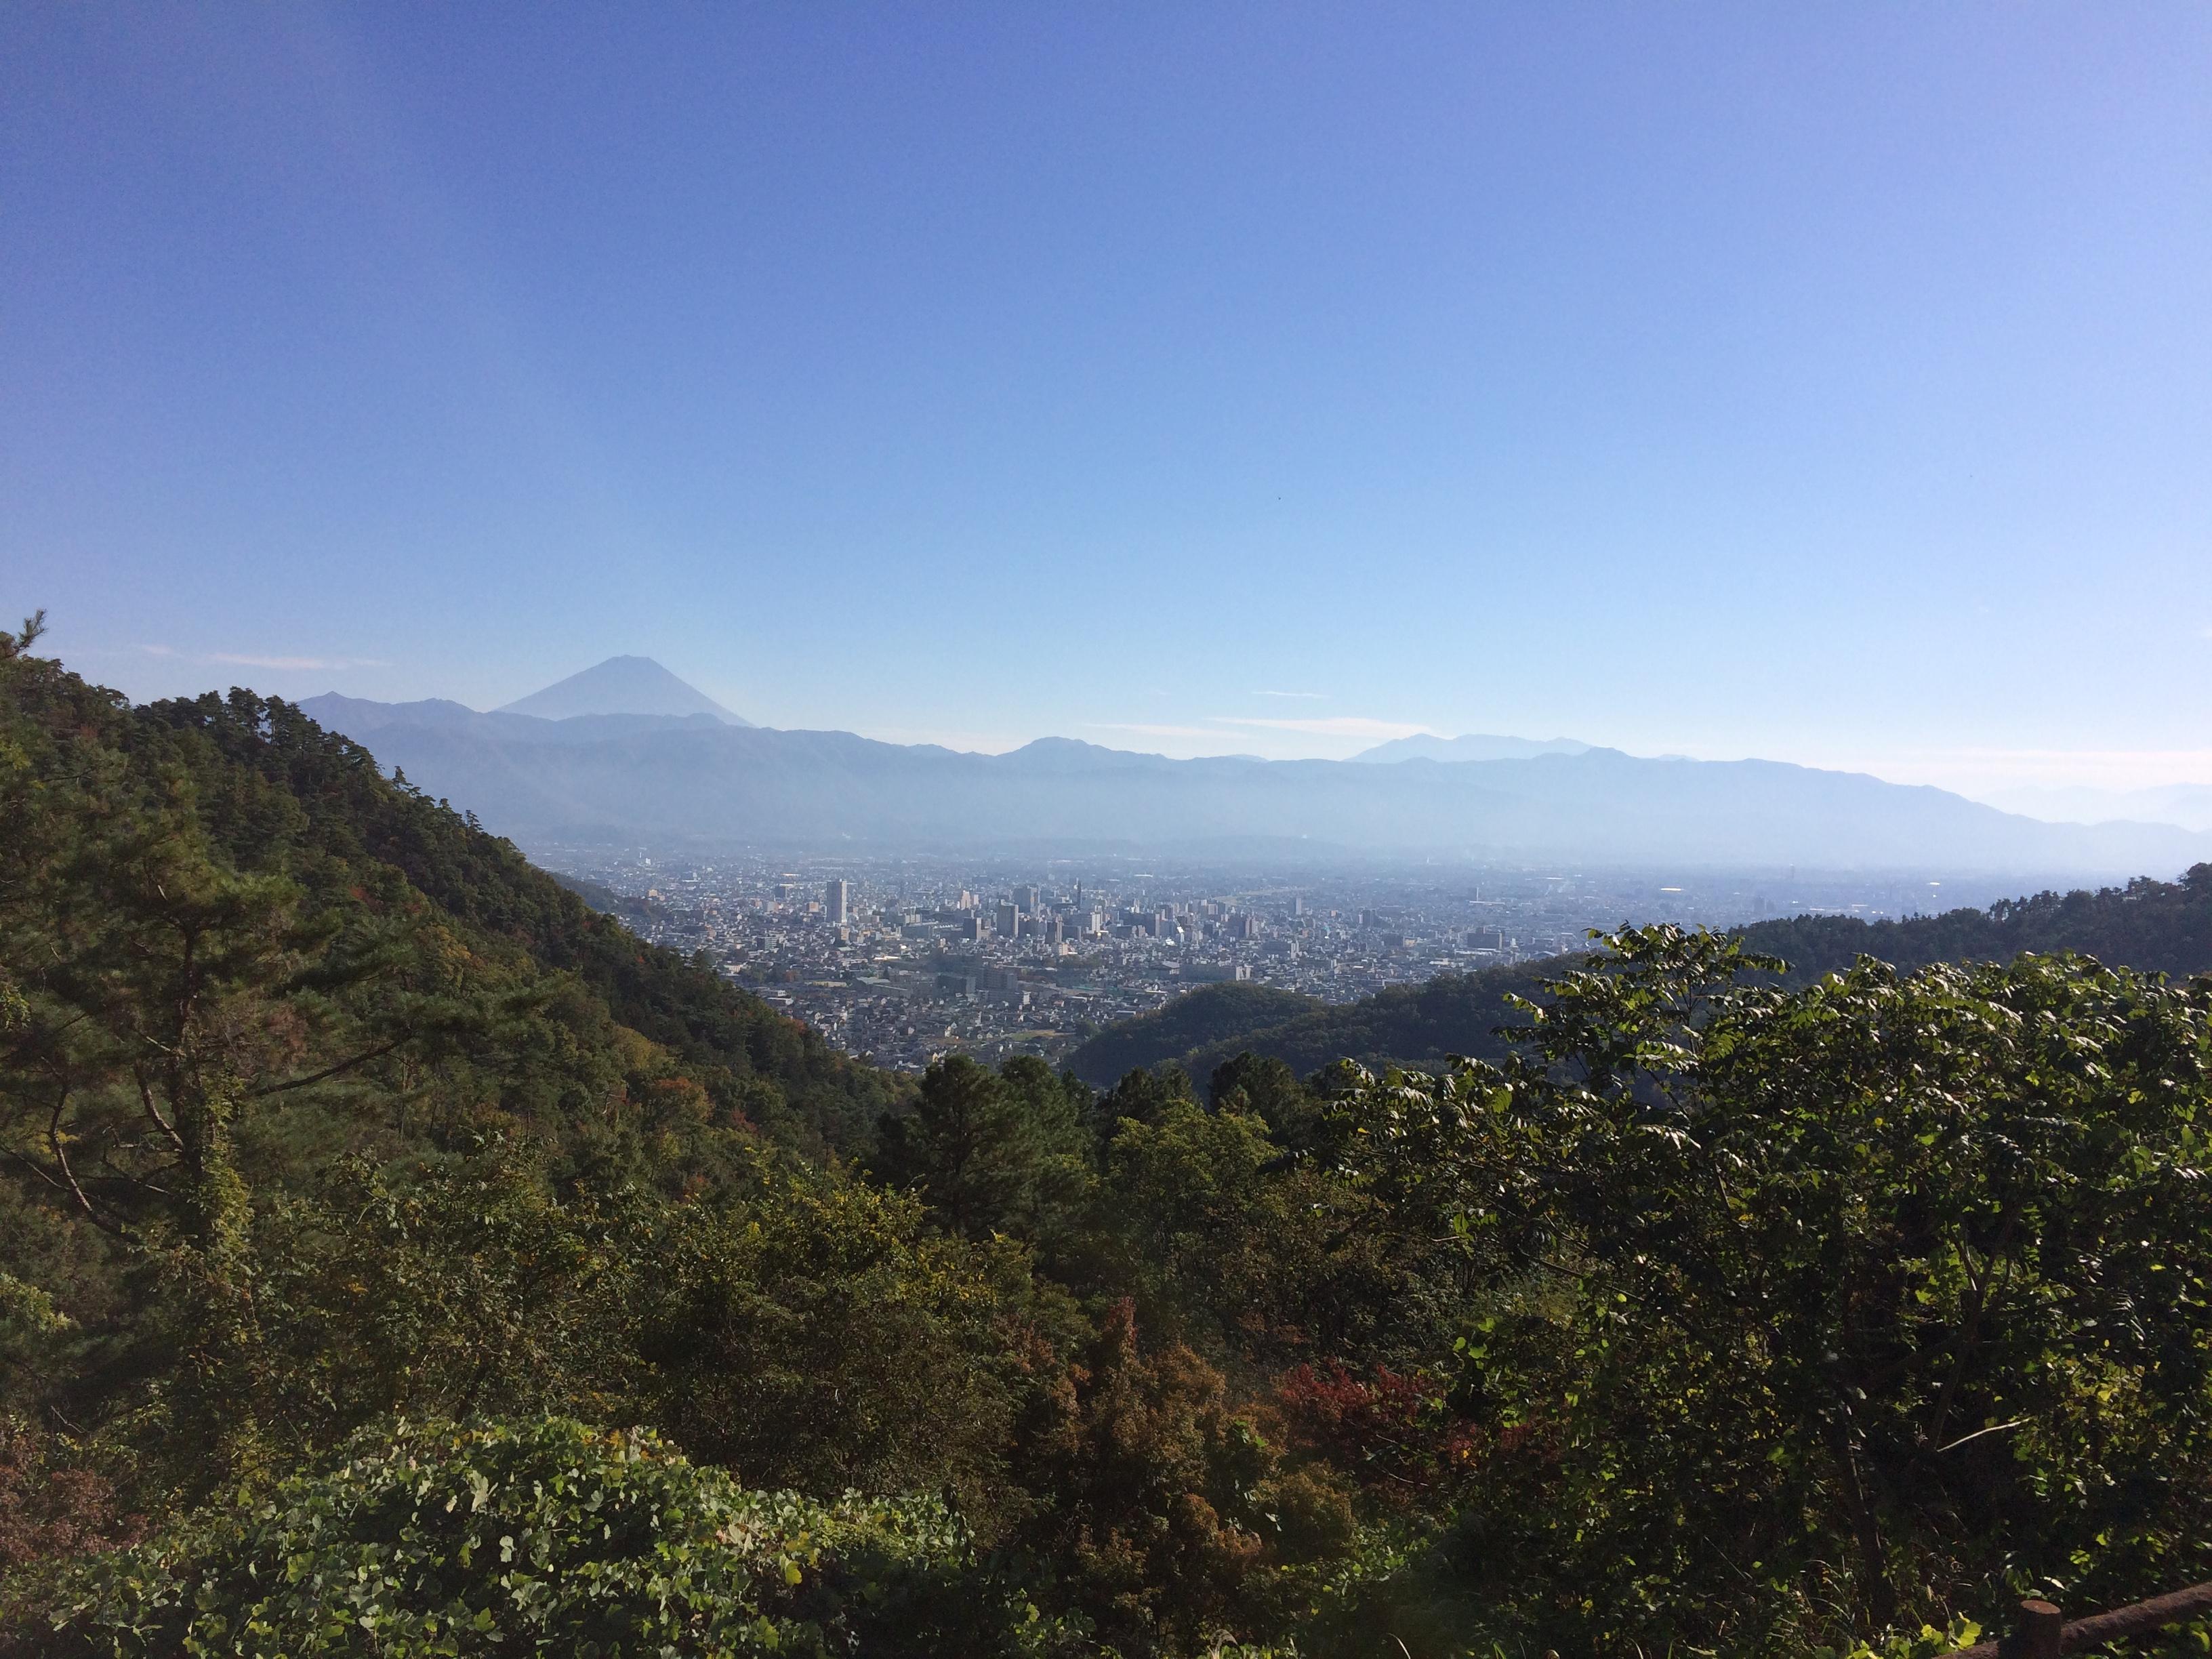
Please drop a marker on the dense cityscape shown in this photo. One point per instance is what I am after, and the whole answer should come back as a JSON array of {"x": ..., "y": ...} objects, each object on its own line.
[{"x": 900, "y": 960}]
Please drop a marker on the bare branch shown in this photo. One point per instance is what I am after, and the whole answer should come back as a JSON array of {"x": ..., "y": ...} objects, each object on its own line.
[
  {"x": 1994, "y": 1428},
  {"x": 328, "y": 1071},
  {"x": 35, "y": 1168},
  {"x": 116, "y": 1172},
  {"x": 146, "y": 1097},
  {"x": 60, "y": 1150}
]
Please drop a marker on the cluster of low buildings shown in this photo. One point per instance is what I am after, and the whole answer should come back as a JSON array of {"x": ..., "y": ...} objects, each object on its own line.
[{"x": 900, "y": 960}]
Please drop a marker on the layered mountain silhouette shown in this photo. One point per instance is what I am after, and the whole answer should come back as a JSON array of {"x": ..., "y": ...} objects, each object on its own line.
[
  {"x": 2189, "y": 804},
  {"x": 694, "y": 778},
  {"x": 619, "y": 698}
]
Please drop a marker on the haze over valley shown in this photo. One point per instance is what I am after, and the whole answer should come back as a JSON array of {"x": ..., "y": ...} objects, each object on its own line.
[{"x": 913, "y": 902}]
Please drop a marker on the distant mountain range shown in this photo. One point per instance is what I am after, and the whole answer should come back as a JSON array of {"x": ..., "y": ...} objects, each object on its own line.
[
  {"x": 619, "y": 698},
  {"x": 2189, "y": 804},
  {"x": 358, "y": 719},
  {"x": 616, "y": 774},
  {"x": 1476, "y": 746}
]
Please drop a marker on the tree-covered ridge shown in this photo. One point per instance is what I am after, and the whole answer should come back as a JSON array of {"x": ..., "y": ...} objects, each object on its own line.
[
  {"x": 2158, "y": 926},
  {"x": 263, "y": 792},
  {"x": 2155, "y": 926},
  {"x": 278, "y": 789},
  {"x": 1415, "y": 1025},
  {"x": 1210, "y": 1014}
]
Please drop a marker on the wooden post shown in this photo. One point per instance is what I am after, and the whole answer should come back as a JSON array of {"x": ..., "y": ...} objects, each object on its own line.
[{"x": 2039, "y": 1630}]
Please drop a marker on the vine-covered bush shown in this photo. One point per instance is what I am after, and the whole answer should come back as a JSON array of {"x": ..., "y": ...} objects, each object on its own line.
[{"x": 548, "y": 1537}]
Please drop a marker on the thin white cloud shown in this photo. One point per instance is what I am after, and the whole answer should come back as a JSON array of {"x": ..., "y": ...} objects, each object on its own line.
[
  {"x": 1317, "y": 696},
  {"x": 1975, "y": 770},
  {"x": 1332, "y": 725},
  {"x": 239, "y": 660},
  {"x": 251, "y": 659}
]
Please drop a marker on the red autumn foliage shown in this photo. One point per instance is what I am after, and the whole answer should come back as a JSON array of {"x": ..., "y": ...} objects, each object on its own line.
[
  {"x": 1389, "y": 1432},
  {"x": 1152, "y": 1474},
  {"x": 48, "y": 1508}
]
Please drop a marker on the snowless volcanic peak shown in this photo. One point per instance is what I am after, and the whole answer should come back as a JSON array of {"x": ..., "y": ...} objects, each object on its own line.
[{"x": 621, "y": 685}]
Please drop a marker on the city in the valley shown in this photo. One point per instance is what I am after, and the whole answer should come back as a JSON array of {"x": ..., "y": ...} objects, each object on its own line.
[{"x": 900, "y": 960}]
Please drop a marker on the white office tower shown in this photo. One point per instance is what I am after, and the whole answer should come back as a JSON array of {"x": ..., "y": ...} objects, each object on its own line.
[{"x": 834, "y": 898}]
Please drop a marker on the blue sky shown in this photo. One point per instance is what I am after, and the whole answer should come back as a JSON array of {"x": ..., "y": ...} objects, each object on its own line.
[{"x": 1833, "y": 384}]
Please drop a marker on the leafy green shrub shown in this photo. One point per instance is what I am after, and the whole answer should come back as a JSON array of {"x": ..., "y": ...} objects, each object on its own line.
[
  {"x": 811, "y": 1331},
  {"x": 1814, "y": 1315},
  {"x": 545, "y": 1537}
]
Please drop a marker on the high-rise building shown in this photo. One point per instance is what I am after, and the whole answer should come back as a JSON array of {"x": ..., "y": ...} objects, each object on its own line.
[
  {"x": 1010, "y": 917},
  {"x": 1025, "y": 900},
  {"x": 835, "y": 899}
]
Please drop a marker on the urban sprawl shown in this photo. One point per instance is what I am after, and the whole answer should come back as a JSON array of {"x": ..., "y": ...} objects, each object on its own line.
[{"x": 900, "y": 961}]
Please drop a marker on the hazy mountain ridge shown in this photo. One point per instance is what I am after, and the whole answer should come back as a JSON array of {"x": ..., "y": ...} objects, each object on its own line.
[
  {"x": 696, "y": 780},
  {"x": 2188, "y": 804},
  {"x": 611, "y": 699},
  {"x": 357, "y": 719}
]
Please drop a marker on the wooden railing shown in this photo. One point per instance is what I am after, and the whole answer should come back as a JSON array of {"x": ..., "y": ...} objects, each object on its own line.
[{"x": 2040, "y": 1631}]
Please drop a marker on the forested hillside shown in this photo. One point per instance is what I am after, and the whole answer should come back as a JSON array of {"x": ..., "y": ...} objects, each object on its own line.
[
  {"x": 295, "y": 836},
  {"x": 397, "y": 1256},
  {"x": 2161, "y": 926},
  {"x": 1210, "y": 1014},
  {"x": 1413, "y": 1025},
  {"x": 2157, "y": 925},
  {"x": 276, "y": 792}
]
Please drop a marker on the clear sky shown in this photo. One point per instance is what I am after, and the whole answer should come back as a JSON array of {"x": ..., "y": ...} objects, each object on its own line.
[{"x": 1828, "y": 383}]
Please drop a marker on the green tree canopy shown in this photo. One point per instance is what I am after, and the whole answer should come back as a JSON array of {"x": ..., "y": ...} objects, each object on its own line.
[
  {"x": 992, "y": 1152},
  {"x": 1880, "y": 1293}
]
